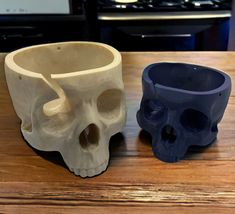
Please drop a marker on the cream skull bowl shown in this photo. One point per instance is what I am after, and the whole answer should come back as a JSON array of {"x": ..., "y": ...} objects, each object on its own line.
[{"x": 70, "y": 98}]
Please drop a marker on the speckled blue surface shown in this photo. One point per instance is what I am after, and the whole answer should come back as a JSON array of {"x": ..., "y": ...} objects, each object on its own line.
[{"x": 181, "y": 106}]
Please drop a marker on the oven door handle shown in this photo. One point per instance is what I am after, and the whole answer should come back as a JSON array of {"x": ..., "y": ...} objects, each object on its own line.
[
  {"x": 143, "y": 36},
  {"x": 164, "y": 16}
]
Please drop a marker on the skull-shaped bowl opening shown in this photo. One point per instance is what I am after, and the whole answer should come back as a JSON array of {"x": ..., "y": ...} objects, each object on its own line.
[
  {"x": 186, "y": 77},
  {"x": 63, "y": 58}
]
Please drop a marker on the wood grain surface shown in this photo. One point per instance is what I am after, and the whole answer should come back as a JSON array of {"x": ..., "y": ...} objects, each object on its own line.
[{"x": 135, "y": 181}]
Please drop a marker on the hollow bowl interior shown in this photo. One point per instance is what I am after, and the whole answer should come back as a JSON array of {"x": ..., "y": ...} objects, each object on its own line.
[
  {"x": 185, "y": 76},
  {"x": 61, "y": 58}
]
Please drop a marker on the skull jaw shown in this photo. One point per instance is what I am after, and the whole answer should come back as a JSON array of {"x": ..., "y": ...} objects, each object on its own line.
[
  {"x": 165, "y": 157},
  {"x": 91, "y": 172},
  {"x": 84, "y": 163},
  {"x": 87, "y": 162},
  {"x": 177, "y": 151}
]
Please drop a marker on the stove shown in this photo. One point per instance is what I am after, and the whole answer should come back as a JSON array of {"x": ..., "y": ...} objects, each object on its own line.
[
  {"x": 164, "y": 25},
  {"x": 162, "y": 5}
]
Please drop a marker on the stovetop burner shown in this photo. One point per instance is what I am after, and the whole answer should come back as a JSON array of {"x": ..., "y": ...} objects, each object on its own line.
[{"x": 163, "y": 5}]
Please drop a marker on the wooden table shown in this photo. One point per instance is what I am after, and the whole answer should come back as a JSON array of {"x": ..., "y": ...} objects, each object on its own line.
[{"x": 135, "y": 181}]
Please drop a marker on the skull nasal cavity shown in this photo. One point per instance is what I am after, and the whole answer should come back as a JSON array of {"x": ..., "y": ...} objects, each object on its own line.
[
  {"x": 169, "y": 134},
  {"x": 89, "y": 137}
]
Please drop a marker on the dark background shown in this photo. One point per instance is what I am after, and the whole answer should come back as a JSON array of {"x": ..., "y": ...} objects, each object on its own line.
[{"x": 86, "y": 22}]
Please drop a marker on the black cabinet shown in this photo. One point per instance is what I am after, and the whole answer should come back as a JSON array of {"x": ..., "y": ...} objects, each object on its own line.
[{"x": 17, "y": 31}]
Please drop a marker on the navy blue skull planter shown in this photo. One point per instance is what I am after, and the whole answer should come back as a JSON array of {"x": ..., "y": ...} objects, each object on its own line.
[{"x": 181, "y": 106}]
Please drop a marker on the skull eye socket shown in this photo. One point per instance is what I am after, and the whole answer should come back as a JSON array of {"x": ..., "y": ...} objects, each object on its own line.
[
  {"x": 109, "y": 103},
  {"x": 194, "y": 120},
  {"x": 56, "y": 124},
  {"x": 154, "y": 110}
]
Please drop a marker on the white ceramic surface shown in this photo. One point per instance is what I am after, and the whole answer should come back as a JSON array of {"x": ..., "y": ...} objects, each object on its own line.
[{"x": 70, "y": 98}]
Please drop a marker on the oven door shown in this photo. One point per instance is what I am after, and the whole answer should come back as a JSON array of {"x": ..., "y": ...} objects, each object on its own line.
[{"x": 176, "y": 31}]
